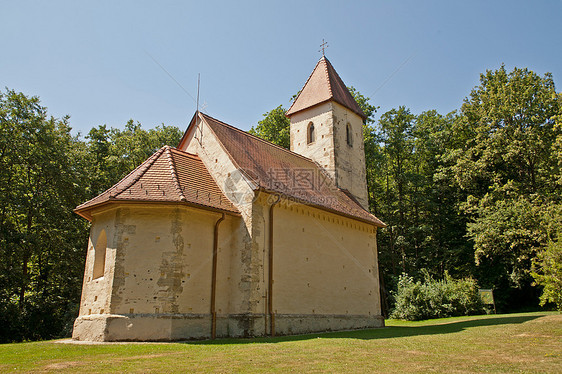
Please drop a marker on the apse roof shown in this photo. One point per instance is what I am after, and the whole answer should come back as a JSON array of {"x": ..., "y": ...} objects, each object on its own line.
[{"x": 168, "y": 176}]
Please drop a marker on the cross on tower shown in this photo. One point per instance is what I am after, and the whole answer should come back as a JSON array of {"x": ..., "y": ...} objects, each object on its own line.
[{"x": 323, "y": 46}]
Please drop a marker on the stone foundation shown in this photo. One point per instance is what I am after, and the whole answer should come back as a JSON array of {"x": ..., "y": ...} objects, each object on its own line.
[
  {"x": 174, "y": 327},
  {"x": 290, "y": 324}
]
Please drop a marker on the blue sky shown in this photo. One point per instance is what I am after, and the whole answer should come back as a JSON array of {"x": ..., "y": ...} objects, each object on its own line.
[{"x": 101, "y": 62}]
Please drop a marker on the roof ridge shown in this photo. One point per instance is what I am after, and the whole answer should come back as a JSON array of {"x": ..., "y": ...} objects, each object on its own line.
[
  {"x": 337, "y": 77},
  {"x": 185, "y": 153},
  {"x": 112, "y": 190},
  {"x": 328, "y": 76},
  {"x": 174, "y": 173},
  {"x": 305, "y": 83},
  {"x": 221, "y": 144},
  {"x": 344, "y": 190},
  {"x": 260, "y": 139}
]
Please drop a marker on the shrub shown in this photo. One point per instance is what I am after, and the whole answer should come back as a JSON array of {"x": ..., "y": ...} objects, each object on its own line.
[
  {"x": 548, "y": 273},
  {"x": 415, "y": 301}
]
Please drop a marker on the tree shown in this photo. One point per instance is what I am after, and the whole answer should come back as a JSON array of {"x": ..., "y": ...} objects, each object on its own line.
[
  {"x": 41, "y": 240},
  {"x": 364, "y": 104},
  {"x": 274, "y": 127},
  {"x": 396, "y": 135},
  {"x": 548, "y": 273},
  {"x": 507, "y": 171},
  {"x": 113, "y": 153},
  {"x": 45, "y": 173},
  {"x": 547, "y": 266}
]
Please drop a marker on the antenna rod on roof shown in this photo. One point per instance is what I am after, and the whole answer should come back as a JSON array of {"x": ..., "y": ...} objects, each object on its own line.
[{"x": 198, "y": 84}]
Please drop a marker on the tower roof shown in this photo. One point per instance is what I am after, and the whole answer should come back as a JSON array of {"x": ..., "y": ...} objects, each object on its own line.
[{"x": 324, "y": 84}]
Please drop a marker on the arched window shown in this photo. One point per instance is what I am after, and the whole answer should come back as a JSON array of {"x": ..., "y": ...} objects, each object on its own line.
[
  {"x": 99, "y": 255},
  {"x": 348, "y": 135},
  {"x": 311, "y": 135}
]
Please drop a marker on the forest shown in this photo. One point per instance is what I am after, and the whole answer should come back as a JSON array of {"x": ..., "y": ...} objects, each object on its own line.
[{"x": 472, "y": 194}]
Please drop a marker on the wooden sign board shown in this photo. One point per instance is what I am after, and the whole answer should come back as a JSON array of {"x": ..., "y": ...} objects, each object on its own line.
[{"x": 487, "y": 297}]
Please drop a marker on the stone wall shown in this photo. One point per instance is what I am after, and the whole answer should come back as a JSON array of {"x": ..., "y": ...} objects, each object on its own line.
[
  {"x": 350, "y": 159},
  {"x": 345, "y": 163},
  {"x": 321, "y": 150}
]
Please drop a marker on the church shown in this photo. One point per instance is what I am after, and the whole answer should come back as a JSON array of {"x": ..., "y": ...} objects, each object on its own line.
[{"x": 228, "y": 235}]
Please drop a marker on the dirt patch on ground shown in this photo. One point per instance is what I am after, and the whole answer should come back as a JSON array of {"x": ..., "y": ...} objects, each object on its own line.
[
  {"x": 63, "y": 365},
  {"x": 85, "y": 342},
  {"x": 417, "y": 353},
  {"x": 531, "y": 335},
  {"x": 69, "y": 364},
  {"x": 556, "y": 318}
]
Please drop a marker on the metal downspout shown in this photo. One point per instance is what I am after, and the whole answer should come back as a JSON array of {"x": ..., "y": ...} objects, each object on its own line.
[
  {"x": 214, "y": 279},
  {"x": 270, "y": 270}
]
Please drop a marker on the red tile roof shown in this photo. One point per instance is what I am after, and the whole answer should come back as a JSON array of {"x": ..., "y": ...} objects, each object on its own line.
[
  {"x": 278, "y": 170},
  {"x": 324, "y": 84},
  {"x": 168, "y": 176}
]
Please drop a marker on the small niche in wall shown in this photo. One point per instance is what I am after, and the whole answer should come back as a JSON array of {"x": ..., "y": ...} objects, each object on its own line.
[
  {"x": 348, "y": 135},
  {"x": 311, "y": 134},
  {"x": 100, "y": 250}
]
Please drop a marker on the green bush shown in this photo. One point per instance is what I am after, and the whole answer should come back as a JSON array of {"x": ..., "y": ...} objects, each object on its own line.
[
  {"x": 547, "y": 271},
  {"x": 415, "y": 301}
]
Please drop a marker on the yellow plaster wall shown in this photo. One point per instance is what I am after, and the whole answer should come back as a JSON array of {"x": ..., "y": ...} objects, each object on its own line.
[
  {"x": 246, "y": 289},
  {"x": 165, "y": 261},
  {"x": 323, "y": 263},
  {"x": 159, "y": 261},
  {"x": 96, "y": 292}
]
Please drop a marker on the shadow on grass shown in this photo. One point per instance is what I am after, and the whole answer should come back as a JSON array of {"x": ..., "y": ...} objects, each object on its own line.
[{"x": 382, "y": 333}]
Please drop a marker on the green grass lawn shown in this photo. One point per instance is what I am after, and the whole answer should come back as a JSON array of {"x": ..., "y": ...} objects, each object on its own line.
[{"x": 508, "y": 343}]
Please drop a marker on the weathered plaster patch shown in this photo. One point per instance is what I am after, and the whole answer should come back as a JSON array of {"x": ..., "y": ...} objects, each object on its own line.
[
  {"x": 172, "y": 267},
  {"x": 122, "y": 231}
]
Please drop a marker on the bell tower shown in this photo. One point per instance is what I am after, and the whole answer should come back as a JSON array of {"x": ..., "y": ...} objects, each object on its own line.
[{"x": 327, "y": 127}]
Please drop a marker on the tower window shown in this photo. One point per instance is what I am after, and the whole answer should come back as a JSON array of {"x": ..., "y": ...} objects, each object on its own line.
[
  {"x": 311, "y": 134},
  {"x": 348, "y": 135},
  {"x": 99, "y": 255}
]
